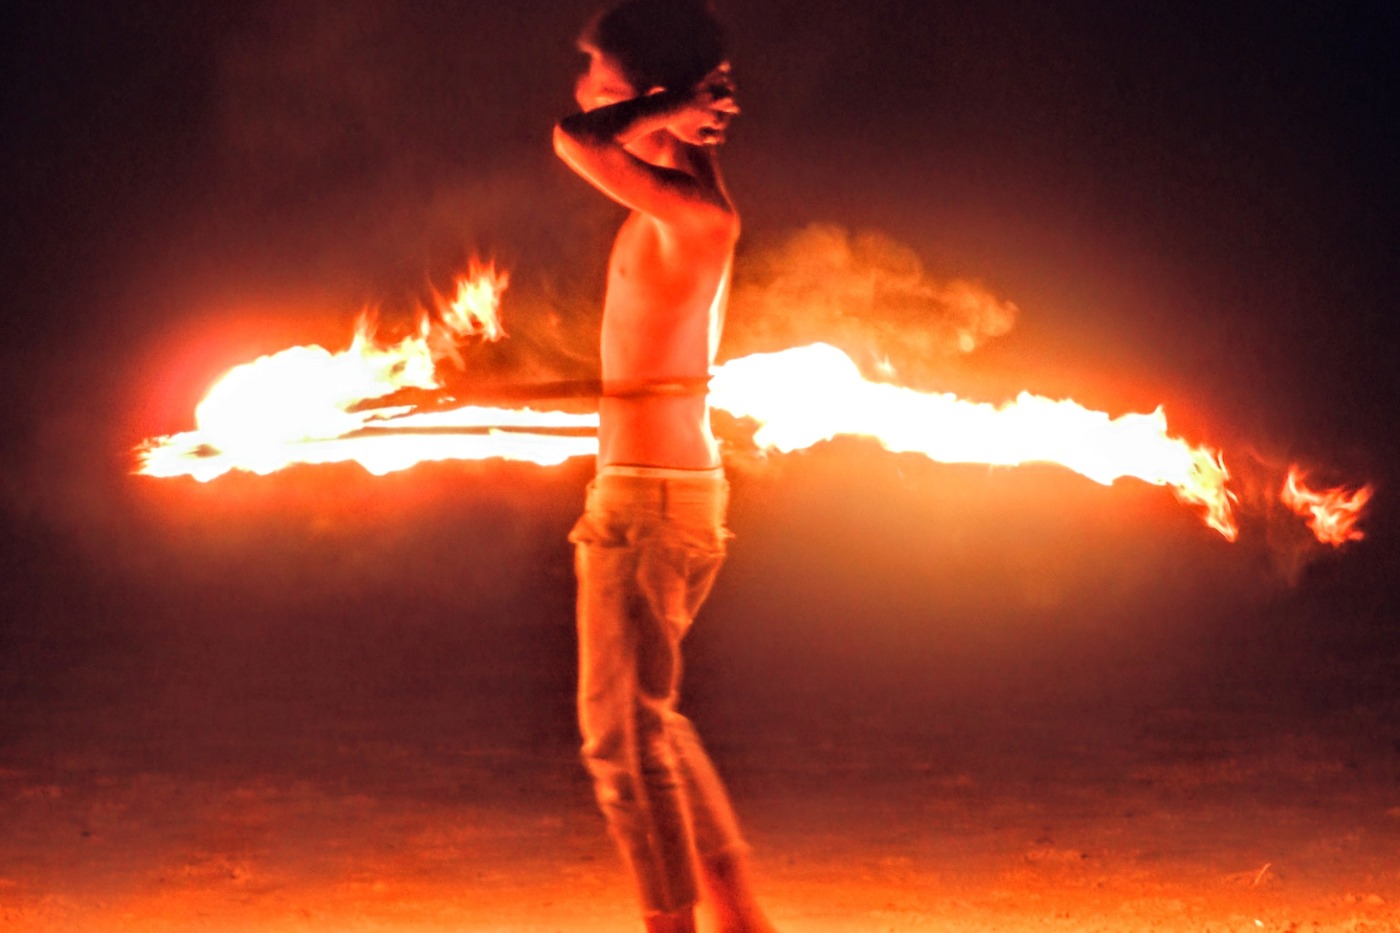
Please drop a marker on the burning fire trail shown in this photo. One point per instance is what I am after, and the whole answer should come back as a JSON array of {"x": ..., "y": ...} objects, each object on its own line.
[
  {"x": 823, "y": 394},
  {"x": 1331, "y": 514},
  {"x": 308, "y": 405}
]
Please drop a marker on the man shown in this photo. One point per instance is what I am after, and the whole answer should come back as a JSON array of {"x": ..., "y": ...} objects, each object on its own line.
[{"x": 656, "y": 100}]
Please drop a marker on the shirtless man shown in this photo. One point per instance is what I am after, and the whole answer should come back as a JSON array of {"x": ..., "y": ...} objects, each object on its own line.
[{"x": 656, "y": 100}]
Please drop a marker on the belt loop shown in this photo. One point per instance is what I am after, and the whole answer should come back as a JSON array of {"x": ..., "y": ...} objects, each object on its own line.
[{"x": 665, "y": 498}]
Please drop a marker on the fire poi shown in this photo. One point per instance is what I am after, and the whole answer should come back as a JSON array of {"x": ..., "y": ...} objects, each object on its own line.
[{"x": 308, "y": 405}]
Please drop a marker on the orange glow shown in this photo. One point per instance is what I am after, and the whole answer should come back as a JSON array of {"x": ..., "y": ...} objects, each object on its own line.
[
  {"x": 1332, "y": 514},
  {"x": 309, "y": 405},
  {"x": 305, "y": 405},
  {"x": 810, "y": 394}
]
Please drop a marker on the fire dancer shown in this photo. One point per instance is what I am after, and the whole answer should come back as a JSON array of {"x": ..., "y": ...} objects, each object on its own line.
[{"x": 656, "y": 99}]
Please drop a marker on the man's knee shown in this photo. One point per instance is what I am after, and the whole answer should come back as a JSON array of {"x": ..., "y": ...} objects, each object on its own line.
[{"x": 613, "y": 783}]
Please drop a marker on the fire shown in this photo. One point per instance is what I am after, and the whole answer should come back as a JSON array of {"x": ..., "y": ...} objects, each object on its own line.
[
  {"x": 810, "y": 394},
  {"x": 1331, "y": 514},
  {"x": 310, "y": 405},
  {"x": 474, "y": 310}
]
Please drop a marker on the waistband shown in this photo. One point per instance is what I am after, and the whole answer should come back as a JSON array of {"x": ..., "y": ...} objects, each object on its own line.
[
  {"x": 654, "y": 472},
  {"x": 677, "y": 387}
]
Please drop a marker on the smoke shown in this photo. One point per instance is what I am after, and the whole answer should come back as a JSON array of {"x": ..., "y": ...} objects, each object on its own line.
[{"x": 864, "y": 292}]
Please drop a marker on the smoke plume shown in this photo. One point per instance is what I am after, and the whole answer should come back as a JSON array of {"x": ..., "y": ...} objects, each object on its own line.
[{"x": 864, "y": 292}]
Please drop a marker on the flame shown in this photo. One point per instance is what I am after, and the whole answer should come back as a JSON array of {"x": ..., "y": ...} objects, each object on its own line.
[
  {"x": 810, "y": 394},
  {"x": 309, "y": 405},
  {"x": 476, "y": 307},
  {"x": 474, "y": 310},
  {"x": 1332, "y": 514},
  {"x": 306, "y": 405}
]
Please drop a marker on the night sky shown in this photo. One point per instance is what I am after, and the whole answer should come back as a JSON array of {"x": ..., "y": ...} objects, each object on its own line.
[{"x": 1192, "y": 204}]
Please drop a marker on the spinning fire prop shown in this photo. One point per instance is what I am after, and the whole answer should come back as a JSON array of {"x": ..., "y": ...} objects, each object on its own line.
[{"x": 308, "y": 405}]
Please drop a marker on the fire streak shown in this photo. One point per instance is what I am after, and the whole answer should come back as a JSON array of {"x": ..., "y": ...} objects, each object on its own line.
[
  {"x": 1331, "y": 514},
  {"x": 822, "y": 394},
  {"x": 308, "y": 405}
]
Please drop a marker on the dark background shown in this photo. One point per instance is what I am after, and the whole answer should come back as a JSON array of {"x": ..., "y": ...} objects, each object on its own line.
[{"x": 1192, "y": 204}]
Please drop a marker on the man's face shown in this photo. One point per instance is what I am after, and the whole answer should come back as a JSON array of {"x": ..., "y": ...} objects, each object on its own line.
[{"x": 602, "y": 84}]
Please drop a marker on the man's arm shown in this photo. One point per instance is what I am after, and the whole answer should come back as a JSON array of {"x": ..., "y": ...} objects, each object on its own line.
[{"x": 593, "y": 144}]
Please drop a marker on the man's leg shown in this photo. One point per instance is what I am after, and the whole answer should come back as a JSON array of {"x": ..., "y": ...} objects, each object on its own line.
[
  {"x": 625, "y": 746},
  {"x": 628, "y": 666},
  {"x": 677, "y": 579},
  {"x": 722, "y": 852}
]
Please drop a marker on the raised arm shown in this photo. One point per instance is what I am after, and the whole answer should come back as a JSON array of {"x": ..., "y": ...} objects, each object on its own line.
[{"x": 594, "y": 143}]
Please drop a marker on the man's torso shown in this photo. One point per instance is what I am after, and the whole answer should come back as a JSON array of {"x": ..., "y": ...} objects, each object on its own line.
[{"x": 667, "y": 290}]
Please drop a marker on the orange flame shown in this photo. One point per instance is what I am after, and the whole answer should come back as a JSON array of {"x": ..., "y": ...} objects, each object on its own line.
[
  {"x": 810, "y": 394},
  {"x": 1332, "y": 514},
  {"x": 473, "y": 311},
  {"x": 476, "y": 308},
  {"x": 306, "y": 405},
  {"x": 309, "y": 405}
]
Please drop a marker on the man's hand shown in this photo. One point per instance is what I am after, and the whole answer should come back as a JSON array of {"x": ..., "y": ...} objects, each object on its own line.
[
  {"x": 652, "y": 179},
  {"x": 713, "y": 100}
]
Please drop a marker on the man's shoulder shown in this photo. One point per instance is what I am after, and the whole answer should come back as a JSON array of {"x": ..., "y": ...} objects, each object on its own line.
[
  {"x": 718, "y": 227},
  {"x": 705, "y": 230}
]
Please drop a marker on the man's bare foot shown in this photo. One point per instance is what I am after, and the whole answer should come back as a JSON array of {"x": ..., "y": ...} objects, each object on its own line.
[
  {"x": 727, "y": 880},
  {"x": 681, "y": 921}
]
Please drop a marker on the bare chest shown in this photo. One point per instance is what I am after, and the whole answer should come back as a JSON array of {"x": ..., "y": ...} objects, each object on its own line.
[
  {"x": 648, "y": 264},
  {"x": 662, "y": 306}
]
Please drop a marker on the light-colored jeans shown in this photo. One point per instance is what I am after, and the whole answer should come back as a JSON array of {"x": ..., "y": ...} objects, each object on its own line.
[{"x": 647, "y": 551}]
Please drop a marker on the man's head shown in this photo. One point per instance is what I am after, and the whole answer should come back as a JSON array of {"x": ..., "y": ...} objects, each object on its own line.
[{"x": 648, "y": 44}]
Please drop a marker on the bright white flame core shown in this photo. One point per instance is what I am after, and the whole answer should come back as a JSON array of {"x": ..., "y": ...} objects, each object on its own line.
[{"x": 810, "y": 394}]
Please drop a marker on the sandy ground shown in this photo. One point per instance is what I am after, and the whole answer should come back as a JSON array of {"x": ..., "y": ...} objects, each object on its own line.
[
  {"x": 245, "y": 759},
  {"x": 369, "y": 821}
]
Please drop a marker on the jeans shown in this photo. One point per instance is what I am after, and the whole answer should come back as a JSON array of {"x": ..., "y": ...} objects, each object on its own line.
[{"x": 647, "y": 551}]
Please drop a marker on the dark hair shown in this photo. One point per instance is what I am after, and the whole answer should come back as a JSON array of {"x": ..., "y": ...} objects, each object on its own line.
[{"x": 658, "y": 43}]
